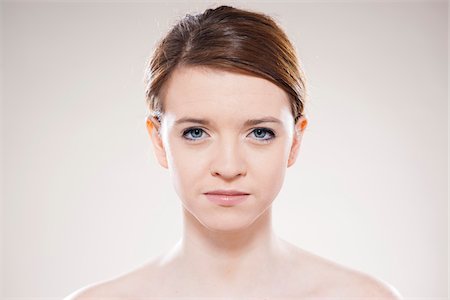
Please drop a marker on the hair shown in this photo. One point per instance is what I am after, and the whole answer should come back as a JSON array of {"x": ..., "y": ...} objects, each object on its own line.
[{"x": 229, "y": 39}]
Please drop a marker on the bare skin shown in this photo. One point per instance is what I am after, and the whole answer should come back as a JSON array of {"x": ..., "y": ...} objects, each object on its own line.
[
  {"x": 231, "y": 251},
  {"x": 295, "y": 274}
]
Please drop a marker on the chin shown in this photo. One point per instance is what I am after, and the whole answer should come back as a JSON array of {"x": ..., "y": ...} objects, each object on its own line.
[
  {"x": 227, "y": 219},
  {"x": 226, "y": 226}
]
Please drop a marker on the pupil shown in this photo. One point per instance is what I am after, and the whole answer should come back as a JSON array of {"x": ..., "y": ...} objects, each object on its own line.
[
  {"x": 196, "y": 132},
  {"x": 259, "y": 132}
]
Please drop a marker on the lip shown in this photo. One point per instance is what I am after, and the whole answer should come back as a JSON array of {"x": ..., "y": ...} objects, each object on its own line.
[
  {"x": 227, "y": 192},
  {"x": 227, "y": 197}
]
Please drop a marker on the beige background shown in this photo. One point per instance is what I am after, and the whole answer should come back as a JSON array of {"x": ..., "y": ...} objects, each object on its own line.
[{"x": 83, "y": 198}]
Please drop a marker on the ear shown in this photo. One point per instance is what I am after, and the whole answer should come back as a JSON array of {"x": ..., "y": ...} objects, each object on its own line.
[
  {"x": 154, "y": 130},
  {"x": 299, "y": 129}
]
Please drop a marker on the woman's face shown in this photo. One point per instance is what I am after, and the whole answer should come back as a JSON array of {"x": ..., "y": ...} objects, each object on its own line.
[{"x": 225, "y": 131}]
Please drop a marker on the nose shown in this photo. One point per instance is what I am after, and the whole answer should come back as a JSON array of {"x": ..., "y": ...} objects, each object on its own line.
[{"x": 228, "y": 161}]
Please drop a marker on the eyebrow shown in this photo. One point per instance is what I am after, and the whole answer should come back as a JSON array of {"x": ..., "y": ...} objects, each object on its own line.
[{"x": 249, "y": 122}]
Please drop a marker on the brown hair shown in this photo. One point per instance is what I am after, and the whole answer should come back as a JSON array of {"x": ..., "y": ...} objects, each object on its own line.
[{"x": 230, "y": 39}]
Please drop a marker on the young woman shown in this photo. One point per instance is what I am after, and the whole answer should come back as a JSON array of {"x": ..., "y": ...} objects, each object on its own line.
[{"x": 227, "y": 95}]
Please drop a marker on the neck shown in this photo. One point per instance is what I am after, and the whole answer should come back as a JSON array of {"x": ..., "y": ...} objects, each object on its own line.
[{"x": 228, "y": 255}]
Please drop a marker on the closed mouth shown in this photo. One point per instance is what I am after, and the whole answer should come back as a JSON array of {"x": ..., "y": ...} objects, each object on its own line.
[{"x": 227, "y": 193}]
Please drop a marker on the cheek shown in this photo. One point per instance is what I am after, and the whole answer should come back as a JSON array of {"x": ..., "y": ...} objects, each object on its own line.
[
  {"x": 268, "y": 168},
  {"x": 186, "y": 167}
]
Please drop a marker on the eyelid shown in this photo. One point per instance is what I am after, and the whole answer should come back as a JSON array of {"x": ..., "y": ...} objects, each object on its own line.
[
  {"x": 263, "y": 128},
  {"x": 193, "y": 127}
]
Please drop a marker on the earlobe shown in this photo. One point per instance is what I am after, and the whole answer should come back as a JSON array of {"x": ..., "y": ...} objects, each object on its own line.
[
  {"x": 299, "y": 129},
  {"x": 154, "y": 130}
]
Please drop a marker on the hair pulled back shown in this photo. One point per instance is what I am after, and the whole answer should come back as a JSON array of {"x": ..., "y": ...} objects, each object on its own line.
[{"x": 229, "y": 39}]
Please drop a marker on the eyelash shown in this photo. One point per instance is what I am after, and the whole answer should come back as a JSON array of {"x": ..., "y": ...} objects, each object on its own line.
[{"x": 265, "y": 130}]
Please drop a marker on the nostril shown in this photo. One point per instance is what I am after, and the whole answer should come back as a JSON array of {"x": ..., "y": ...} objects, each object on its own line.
[{"x": 228, "y": 174}]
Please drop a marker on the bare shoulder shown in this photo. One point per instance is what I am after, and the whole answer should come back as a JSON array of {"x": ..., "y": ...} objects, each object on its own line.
[
  {"x": 328, "y": 279},
  {"x": 358, "y": 284},
  {"x": 92, "y": 291},
  {"x": 113, "y": 289},
  {"x": 135, "y": 283}
]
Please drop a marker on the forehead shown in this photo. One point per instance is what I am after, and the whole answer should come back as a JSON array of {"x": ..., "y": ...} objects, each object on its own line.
[{"x": 200, "y": 90}]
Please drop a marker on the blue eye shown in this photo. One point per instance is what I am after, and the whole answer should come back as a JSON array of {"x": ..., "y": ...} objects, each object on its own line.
[
  {"x": 193, "y": 133},
  {"x": 263, "y": 134}
]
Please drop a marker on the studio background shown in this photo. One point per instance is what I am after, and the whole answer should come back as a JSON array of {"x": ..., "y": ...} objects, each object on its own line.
[{"x": 84, "y": 199}]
